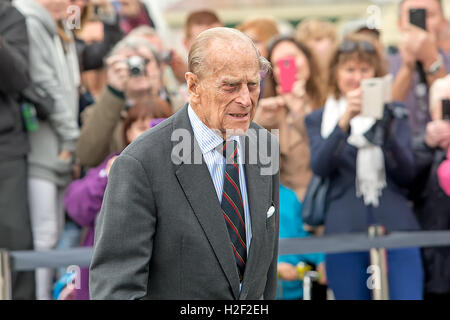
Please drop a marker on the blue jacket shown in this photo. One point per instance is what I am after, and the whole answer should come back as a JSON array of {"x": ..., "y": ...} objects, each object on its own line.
[
  {"x": 291, "y": 226},
  {"x": 336, "y": 159}
]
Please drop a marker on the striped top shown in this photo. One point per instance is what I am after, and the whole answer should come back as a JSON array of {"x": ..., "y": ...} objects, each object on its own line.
[{"x": 208, "y": 141}]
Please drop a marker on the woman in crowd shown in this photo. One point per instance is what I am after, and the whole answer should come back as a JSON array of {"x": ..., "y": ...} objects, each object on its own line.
[
  {"x": 83, "y": 198},
  {"x": 367, "y": 182},
  {"x": 286, "y": 111},
  {"x": 54, "y": 66},
  {"x": 432, "y": 186},
  {"x": 100, "y": 134},
  {"x": 321, "y": 38}
]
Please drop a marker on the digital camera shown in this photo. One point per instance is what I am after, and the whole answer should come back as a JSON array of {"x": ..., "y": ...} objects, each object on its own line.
[{"x": 136, "y": 65}]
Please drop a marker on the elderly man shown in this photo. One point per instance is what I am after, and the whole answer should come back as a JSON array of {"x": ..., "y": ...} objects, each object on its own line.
[{"x": 181, "y": 221}]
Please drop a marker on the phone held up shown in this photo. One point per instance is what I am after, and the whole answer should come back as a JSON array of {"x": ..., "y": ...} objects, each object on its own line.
[
  {"x": 418, "y": 17},
  {"x": 446, "y": 109},
  {"x": 376, "y": 93},
  {"x": 288, "y": 73}
]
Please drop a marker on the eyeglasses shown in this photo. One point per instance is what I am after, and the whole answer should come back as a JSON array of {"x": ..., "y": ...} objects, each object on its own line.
[{"x": 349, "y": 46}]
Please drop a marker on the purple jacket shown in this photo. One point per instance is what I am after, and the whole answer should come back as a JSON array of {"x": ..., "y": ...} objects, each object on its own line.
[{"x": 83, "y": 200}]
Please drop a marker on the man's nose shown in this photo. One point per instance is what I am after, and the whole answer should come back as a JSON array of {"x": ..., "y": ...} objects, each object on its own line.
[{"x": 244, "y": 97}]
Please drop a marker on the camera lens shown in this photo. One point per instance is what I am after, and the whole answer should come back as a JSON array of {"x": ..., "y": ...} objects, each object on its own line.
[{"x": 136, "y": 65}]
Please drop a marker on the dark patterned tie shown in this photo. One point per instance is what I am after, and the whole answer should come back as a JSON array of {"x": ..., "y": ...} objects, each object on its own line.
[{"x": 232, "y": 205}]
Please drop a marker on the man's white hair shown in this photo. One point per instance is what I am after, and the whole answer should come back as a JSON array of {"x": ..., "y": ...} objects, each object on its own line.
[{"x": 200, "y": 46}]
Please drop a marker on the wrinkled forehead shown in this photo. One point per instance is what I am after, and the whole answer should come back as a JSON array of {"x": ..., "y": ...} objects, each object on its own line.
[{"x": 231, "y": 59}]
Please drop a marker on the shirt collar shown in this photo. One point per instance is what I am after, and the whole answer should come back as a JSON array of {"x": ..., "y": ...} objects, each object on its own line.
[{"x": 206, "y": 137}]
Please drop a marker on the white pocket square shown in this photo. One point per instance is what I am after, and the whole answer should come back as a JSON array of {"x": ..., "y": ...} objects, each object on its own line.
[{"x": 270, "y": 212}]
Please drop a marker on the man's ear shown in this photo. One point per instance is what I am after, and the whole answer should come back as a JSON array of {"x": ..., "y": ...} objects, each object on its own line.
[{"x": 192, "y": 84}]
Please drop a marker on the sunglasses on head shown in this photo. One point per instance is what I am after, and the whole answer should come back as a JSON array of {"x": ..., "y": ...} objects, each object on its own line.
[{"x": 350, "y": 46}]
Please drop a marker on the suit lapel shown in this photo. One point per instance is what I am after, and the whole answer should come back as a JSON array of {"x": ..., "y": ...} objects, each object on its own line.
[
  {"x": 259, "y": 193},
  {"x": 198, "y": 187}
]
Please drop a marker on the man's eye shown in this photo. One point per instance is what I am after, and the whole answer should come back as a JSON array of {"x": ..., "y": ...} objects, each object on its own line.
[
  {"x": 253, "y": 85},
  {"x": 230, "y": 87}
]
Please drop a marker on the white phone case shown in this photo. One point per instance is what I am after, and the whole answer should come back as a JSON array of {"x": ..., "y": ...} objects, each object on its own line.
[{"x": 376, "y": 92}]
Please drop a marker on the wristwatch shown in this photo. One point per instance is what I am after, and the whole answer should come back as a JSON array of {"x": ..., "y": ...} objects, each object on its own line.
[{"x": 435, "y": 66}]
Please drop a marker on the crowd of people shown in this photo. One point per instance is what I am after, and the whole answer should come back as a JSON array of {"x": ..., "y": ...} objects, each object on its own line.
[{"x": 72, "y": 99}]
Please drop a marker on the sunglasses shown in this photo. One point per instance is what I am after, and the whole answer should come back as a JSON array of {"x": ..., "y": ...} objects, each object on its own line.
[{"x": 349, "y": 46}]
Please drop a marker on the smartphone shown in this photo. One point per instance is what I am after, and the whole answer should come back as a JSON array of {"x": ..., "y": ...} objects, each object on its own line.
[
  {"x": 288, "y": 73},
  {"x": 418, "y": 17},
  {"x": 446, "y": 109},
  {"x": 373, "y": 98}
]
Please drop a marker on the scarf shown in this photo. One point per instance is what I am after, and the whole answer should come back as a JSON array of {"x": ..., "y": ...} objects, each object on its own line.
[{"x": 370, "y": 170}]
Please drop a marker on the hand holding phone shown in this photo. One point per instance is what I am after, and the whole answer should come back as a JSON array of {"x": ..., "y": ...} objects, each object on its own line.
[
  {"x": 446, "y": 109},
  {"x": 418, "y": 17},
  {"x": 288, "y": 72}
]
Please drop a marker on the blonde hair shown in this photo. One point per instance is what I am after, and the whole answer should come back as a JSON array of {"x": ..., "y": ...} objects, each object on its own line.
[
  {"x": 265, "y": 27},
  {"x": 313, "y": 28}
]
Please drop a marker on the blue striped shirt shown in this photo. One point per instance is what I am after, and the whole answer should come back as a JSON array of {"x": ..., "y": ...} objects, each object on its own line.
[{"x": 208, "y": 141}]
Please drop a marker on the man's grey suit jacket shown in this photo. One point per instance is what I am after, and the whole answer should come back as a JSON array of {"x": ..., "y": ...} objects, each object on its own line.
[{"x": 161, "y": 233}]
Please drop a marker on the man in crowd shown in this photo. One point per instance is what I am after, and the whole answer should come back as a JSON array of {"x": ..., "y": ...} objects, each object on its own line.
[
  {"x": 195, "y": 219},
  {"x": 421, "y": 60},
  {"x": 15, "y": 225}
]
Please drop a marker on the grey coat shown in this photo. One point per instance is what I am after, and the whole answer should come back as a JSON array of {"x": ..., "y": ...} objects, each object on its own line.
[
  {"x": 161, "y": 233},
  {"x": 58, "y": 73}
]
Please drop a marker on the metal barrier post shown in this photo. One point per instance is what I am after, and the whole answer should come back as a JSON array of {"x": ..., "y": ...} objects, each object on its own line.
[
  {"x": 5, "y": 276},
  {"x": 308, "y": 279},
  {"x": 378, "y": 259}
]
